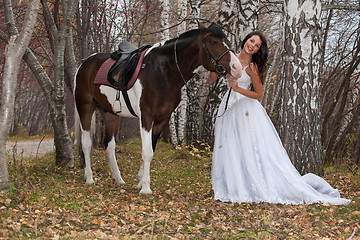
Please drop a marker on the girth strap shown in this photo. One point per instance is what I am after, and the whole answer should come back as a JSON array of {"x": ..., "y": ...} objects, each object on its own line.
[{"x": 128, "y": 103}]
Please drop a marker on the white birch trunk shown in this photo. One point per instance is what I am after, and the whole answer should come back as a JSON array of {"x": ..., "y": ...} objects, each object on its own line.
[
  {"x": 247, "y": 18},
  {"x": 178, "y": 117},
  {"x": 193, "y": 101},
  {"x": 165, "y": 35},
  {"x": 233, "y": 20},
  {"x": 299, "y": 116},
  {"x": 181, "y": 109},
  {"x": 13, "y": 54}
]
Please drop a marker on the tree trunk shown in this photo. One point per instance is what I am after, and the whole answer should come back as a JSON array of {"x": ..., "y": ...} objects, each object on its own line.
[
  {"x": 165, "y": 35},
  {"x": 177, "y": 124},
  {"x": 193, "y": 100},
  {"x": 58, "y": 36},
  {"x": 230, "y": 20},
  {"x": 13, "y": 54},
  {"x": 331, "y": 141},
  {"x": 247, "y": 20},
  {"x": 299, "y": 117}
]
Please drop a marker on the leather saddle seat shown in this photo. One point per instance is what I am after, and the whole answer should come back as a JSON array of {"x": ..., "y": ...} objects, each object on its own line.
[{"x": 127, "y": 58}]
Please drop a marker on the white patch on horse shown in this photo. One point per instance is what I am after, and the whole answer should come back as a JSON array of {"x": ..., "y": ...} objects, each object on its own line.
[
  {"x": 235, "y": 65},
  {"x": 198, "y": 69},
  {"x": 118, "y": 105},
  {"x": 86, "y": 148},
  {"x": 77, "y": 70},
  {"x": 226, "y": 45},
  {"x": 159, "y": 44},
  {"x": 147, "y": 155},
  {"x": 115, "y": 172},
  {"x": 92, "y": 55}
]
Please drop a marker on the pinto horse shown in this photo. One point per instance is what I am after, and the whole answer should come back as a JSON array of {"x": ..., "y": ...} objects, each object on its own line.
[{"x": 167, "y": 66}]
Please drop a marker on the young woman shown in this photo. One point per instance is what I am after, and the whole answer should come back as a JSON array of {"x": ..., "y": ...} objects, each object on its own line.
[{"x": 250, "y": 163}]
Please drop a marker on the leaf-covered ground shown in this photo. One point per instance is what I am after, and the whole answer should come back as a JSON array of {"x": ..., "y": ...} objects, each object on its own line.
[{"x": 47, "y": 202}]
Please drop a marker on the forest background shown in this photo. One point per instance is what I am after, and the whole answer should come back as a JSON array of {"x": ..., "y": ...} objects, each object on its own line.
[{"x": 311, "y": 89}]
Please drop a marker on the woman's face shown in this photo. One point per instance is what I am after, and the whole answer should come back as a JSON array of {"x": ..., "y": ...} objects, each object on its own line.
[{"x": 252, "y": 45}]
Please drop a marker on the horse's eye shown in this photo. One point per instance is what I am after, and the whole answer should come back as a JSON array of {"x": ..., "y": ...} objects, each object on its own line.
[{"x": 213, "y": 42}]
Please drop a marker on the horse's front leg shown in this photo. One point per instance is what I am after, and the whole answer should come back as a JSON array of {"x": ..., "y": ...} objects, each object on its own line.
[{"x": 147, "y": 155}]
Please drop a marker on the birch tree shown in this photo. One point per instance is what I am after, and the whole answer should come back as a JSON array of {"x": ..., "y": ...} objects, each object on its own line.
[
  {"x": 238, "y": 18},
  {"x": 299, "y": 117},
  {"x": 14, "y": 52},
  {"x": 178, "y": 118},
  {"x": 54, "y": 90},
  {"x": 193, "y": 106},
  {"x": 58, "y": 35}
]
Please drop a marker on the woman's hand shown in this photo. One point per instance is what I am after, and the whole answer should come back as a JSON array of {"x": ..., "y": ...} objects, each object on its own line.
[
  {"x": 257, "y": 92},
  {"x": 233, "y": 84}
]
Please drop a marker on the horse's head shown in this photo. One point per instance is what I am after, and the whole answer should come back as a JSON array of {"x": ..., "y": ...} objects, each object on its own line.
[{"x": 217, "y": 55}]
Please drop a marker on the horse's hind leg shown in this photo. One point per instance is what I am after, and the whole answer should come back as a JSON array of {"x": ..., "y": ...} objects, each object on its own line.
[
  {"x": 86, "y": 111},
  {"x": 111, "y": 127},
  {"x": 86, "y": 143}
]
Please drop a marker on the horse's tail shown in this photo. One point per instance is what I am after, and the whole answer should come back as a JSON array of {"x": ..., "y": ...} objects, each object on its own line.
[{"x": 77, "y": 132}]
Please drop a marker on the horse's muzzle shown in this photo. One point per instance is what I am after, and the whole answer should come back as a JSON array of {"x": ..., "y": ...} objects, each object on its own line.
[{"x": 235, "y": 66}]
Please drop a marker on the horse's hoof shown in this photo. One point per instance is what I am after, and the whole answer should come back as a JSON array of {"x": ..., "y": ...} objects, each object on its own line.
[
  {"x": 145, "y": 192},
  {"x": 119, "y": 182},
  {"x": 90, "y": 182},
  {"x": 70, "y": 164}
]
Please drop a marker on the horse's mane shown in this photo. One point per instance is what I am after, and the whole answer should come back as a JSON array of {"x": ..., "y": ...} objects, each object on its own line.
[
  {"x": 217, "y": 31},
  {"x": 213, "y": 28}
]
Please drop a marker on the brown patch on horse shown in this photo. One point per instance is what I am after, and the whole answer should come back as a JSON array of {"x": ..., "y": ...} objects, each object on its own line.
[{"x": 84, "y": 90}]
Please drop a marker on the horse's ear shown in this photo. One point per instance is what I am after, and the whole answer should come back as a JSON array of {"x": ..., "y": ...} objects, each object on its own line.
[
  {"x": 212, "y": 25},
  {"x": 201, "y": 26}
]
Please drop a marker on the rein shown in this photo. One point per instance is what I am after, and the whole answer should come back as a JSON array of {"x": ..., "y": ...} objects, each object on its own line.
[
  {"x": 176, "y": 62},
  {"x": 220, "y": 71}
]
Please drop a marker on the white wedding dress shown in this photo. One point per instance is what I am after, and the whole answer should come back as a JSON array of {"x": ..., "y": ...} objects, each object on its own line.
[{"x": 250, "y": 163}]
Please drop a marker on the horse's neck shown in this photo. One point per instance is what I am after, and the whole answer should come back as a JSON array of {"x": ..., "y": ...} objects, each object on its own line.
[{"x": 187, "y": 57}]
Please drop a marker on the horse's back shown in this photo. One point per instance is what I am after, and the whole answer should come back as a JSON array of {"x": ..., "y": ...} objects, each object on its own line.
[{"x": 89, "y": 67}]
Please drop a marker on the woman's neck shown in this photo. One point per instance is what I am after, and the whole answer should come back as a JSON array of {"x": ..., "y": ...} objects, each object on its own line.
[{"x": 245, "y": 58}]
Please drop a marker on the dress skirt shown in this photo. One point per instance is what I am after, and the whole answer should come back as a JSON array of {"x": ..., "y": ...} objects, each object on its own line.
[{"x": 250, "y": 163}]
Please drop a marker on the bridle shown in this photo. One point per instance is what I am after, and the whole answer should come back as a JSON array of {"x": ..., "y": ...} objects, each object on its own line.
[{"x": 220, "y": 69}]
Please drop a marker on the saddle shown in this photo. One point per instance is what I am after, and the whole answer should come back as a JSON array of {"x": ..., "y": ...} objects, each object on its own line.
[{"x": 127, "y": 57}]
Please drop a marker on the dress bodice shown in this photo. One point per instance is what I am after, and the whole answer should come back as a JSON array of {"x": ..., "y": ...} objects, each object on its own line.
[{"x": 244, "y": 81}]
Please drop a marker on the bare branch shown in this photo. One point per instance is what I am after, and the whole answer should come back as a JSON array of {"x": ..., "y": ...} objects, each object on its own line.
[
  {"x": 323, "y": 7},
  {"x": 340, "y": 7}
]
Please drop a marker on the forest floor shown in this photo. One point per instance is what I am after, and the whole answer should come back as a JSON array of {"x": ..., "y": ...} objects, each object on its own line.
[{"x": 47, "y": 202}]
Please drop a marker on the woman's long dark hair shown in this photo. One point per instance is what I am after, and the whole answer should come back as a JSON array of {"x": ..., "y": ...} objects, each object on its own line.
[{"x": 261, "y": 56}]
